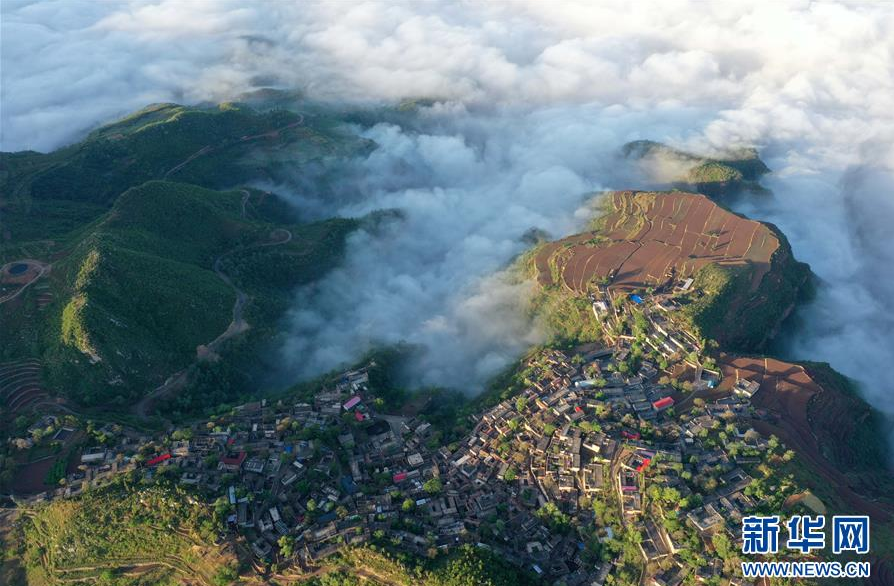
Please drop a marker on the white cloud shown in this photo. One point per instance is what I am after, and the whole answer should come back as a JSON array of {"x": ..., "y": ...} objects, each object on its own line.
[{"x": 541, "y": 95}]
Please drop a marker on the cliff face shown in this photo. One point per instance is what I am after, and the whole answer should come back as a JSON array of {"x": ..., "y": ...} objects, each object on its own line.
[
  {"x": 849, "y": 432},
  {"x": 743, "y": 317}
]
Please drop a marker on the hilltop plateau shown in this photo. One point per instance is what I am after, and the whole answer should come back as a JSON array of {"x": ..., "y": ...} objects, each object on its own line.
[{"x": 645, "y": 241}]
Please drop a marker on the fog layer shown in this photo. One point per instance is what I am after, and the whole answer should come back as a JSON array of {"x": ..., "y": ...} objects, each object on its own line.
[{"x": 538, "y": 95}]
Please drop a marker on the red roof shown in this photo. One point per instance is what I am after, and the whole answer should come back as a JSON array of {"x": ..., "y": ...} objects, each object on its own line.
[
  {"x": 634, "y": 435},
  {"x": 400, "y": 477},
  {"x": 646, "y": 462},
  {"x": 663, "y": 403},
  {"x": 234, "y": 460},
  {"x": 577, "y": 408},
  {"x": 358, "y": 415},
  {"x": 158, "y": 459}
]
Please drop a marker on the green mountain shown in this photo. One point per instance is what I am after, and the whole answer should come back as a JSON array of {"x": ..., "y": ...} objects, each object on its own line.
[
  {"x": 216, "y": 147},
  {"x": 139, "y": 292},
  {"x": 737, "y": 171},
  {"x": 147, "y": 261}
]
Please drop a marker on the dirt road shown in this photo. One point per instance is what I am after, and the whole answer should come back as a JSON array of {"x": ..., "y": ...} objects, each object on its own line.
[
  {"x": 236, "y": 326},
  {"x": 43, "y": 269},
  {"x": 210, "y": 148}
]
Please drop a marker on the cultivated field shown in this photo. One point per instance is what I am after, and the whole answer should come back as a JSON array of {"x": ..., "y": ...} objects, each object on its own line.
[
  {"x": 788, "y": 391},
  {"x": 645, "y": 238},
  {"x": 20, "y": 385}
]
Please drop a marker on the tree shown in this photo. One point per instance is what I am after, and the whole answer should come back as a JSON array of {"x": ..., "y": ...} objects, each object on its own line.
[
  {"x": 286, "y": 546},
  {"x": 224, "y": 576},
  {"x": 553, "y": 518},
  {"x": 408, "y": 505},
  {"x": 521, "y": 403},
  {"x": 722, "y": 545},
  {"x": 433, "y": 486}
]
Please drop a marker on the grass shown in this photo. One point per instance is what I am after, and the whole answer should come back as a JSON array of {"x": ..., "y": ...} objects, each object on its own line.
[
  {"x": 568, "y": 317},
  {"x": 462, "y": 566},
  {"x": 713, "y": 172},
  {"x": 94, "y": 537}
]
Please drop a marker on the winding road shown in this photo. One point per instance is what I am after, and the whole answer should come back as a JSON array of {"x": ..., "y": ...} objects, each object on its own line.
[
  {"x": 44, "y": 269},
  {"x": 236, "y": 326},
  {"x": 209, "y": 148}
]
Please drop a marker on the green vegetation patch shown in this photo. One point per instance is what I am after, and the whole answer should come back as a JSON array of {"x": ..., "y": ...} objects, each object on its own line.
[
  {"x": 736, "y": 171},
  {"x": 713, "y": 172},
  {"x": 93, "y": 537},
  {"x": 463, "y": 566},
  {"x": 568, "y": 316},
  {"x": 50, "y": 194},
  {"x": 850, "y": 433}
]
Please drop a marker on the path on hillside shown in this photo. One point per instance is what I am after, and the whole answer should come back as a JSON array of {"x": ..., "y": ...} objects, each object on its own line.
[
  {"x": 236, "y": 326},
  {"x": 211, "y": 148},
  {"x": 44, "y": 269},
  {"x": 365, "y": 572}
]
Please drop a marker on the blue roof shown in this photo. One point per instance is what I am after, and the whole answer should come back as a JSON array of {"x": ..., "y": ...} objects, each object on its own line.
[
  {"x": 636, "y": 298},
  {"x": 325, "y": 518},
  {"x": 347, "y": 483}
]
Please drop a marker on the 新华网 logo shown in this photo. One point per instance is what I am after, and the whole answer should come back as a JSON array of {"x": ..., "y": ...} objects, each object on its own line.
[{"x": 850, "y": 533}]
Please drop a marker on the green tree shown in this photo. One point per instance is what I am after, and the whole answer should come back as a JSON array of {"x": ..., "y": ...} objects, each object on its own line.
[
  {"x": 433, "y": 486},
  {"x": 286, "y": 546}
]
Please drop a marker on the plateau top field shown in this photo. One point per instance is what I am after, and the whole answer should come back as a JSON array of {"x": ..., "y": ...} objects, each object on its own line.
[{"x": 646, "y": 239}]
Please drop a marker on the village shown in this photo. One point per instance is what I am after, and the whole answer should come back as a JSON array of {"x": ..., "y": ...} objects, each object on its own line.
[{"x": 620, "y": 463}]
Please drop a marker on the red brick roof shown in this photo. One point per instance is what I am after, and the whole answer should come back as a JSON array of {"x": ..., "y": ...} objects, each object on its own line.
[{"x": 158, "y": 459}]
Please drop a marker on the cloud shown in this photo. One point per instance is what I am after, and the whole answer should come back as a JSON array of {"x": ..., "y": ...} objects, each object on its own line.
[{"x": 538, "y": 97}]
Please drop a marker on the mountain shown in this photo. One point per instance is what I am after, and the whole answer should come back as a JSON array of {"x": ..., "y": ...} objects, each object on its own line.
[
  {"x": 145, "y": 285},
  {"x": 216, "y": 147},
  {"x": 737, "y": 171},
  {"x": 145, "y": 248}
]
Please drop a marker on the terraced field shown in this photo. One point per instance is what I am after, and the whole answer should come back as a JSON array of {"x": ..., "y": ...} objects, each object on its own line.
[
  {"x": 646, "y": 238},
  {"x": 821, "y": 422},
  {"x": 20, "y": 385},
  {"x": 154, "y": 531}
]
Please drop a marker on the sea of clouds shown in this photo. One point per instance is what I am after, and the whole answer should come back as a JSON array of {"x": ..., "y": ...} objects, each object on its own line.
[{"x": 537, "y": 97}]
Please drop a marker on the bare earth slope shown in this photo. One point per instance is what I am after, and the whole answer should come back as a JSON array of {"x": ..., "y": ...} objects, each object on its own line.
[{"x": 646, "y": 237}]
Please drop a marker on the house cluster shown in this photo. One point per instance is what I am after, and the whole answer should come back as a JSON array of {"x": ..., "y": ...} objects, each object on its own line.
[
  {"x": 566, "y": 441},
  {"x": 586, "y": 454}
]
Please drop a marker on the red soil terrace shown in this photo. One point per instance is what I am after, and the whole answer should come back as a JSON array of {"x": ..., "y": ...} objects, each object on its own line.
[
  {"x": 648, "y": 235},
  {"x": 786, "y": 390}
]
